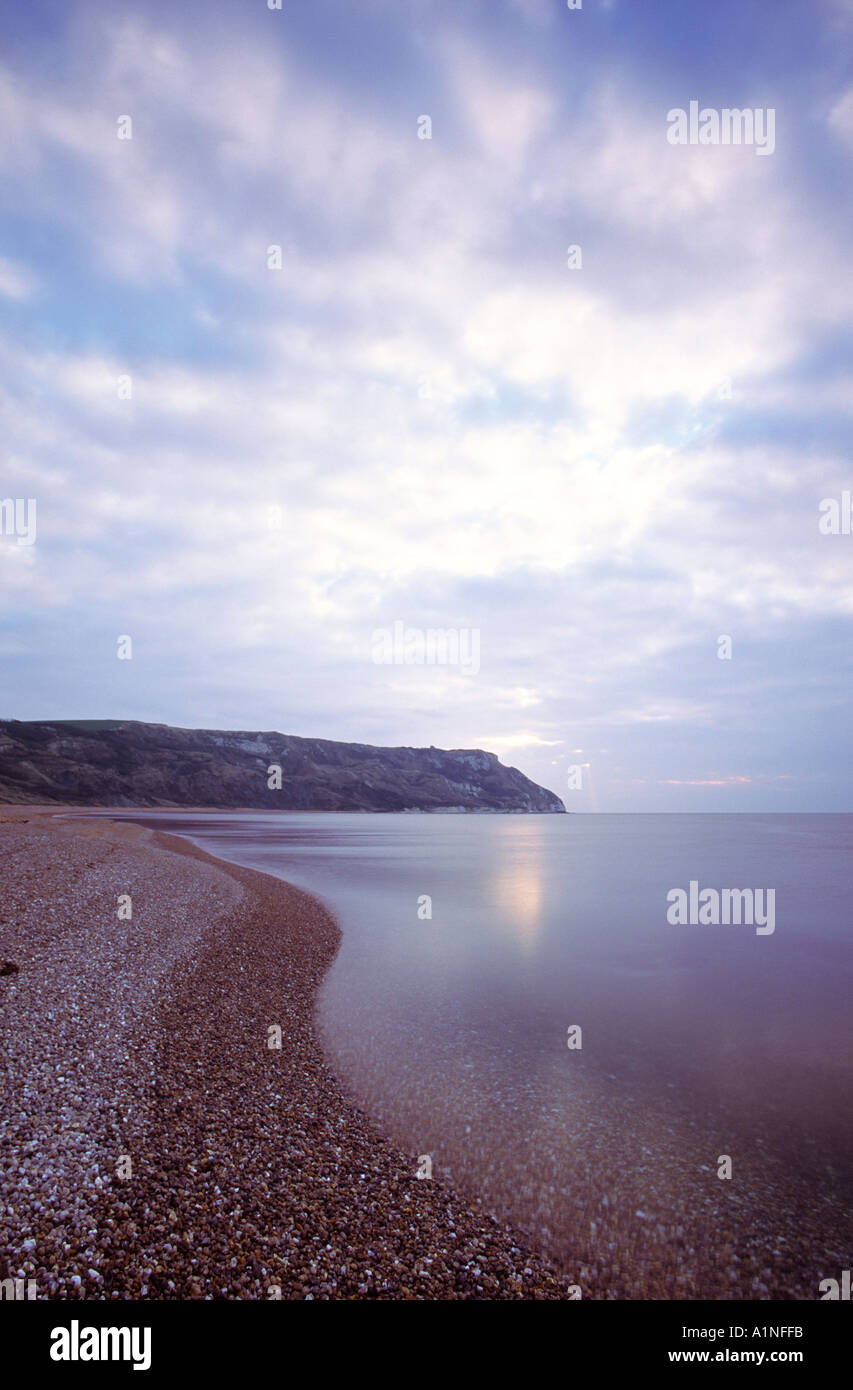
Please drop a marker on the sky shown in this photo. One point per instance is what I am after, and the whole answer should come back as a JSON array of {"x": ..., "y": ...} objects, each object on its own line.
[{"x": 600, "y": 470}]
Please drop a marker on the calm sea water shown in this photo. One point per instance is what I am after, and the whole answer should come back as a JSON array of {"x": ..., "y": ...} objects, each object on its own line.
[{"x": 698, "y": 1042}]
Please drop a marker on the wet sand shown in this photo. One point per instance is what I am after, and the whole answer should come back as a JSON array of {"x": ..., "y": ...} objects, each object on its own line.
[{"x": 153, "y": 1145}]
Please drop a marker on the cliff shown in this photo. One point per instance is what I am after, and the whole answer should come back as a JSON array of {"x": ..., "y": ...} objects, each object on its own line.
[{"x": 127, "y": 763}]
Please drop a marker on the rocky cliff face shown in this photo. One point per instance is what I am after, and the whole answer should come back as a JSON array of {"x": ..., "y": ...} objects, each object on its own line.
[{"x": 112, "y": 763}]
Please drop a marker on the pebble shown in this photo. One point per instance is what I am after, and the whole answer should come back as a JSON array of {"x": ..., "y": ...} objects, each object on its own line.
[{"x": 248, "y": 1165}]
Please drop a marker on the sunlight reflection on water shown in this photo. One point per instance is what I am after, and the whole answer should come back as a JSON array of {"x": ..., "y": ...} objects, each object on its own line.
[{"x": 696, "y": 1041}]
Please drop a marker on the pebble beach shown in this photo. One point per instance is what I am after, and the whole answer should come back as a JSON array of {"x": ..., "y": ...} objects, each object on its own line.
[{"x": 155, "y": 1141}]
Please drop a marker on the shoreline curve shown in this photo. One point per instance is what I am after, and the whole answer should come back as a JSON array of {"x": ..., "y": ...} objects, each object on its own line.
[{"x": 253, "y": 1175}]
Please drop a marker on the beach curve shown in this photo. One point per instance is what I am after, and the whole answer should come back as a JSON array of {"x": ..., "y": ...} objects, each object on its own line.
[{"x": 156, "y": 1145}]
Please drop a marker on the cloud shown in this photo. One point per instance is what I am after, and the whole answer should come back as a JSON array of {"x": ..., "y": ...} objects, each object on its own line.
[
  {"x": 706, "y": 781},
  {"x": 16, "y": 282},
  {"x": 458, "y": 430},
  {"x": 522, "y": 739},
  {"x": 539, "y": 13},
  {"x": 841, "y": 117}
]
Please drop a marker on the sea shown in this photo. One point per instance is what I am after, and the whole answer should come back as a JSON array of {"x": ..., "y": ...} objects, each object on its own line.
[{"x": 660, "y": 1099}]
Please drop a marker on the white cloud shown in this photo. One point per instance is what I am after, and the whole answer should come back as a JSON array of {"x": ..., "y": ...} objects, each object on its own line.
[
  {"x": 523, "y": 739},
  {"x": 841, "y": 116},
  {"x": 450, "y": 419},
  {"x": 16, "y": 281}
]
